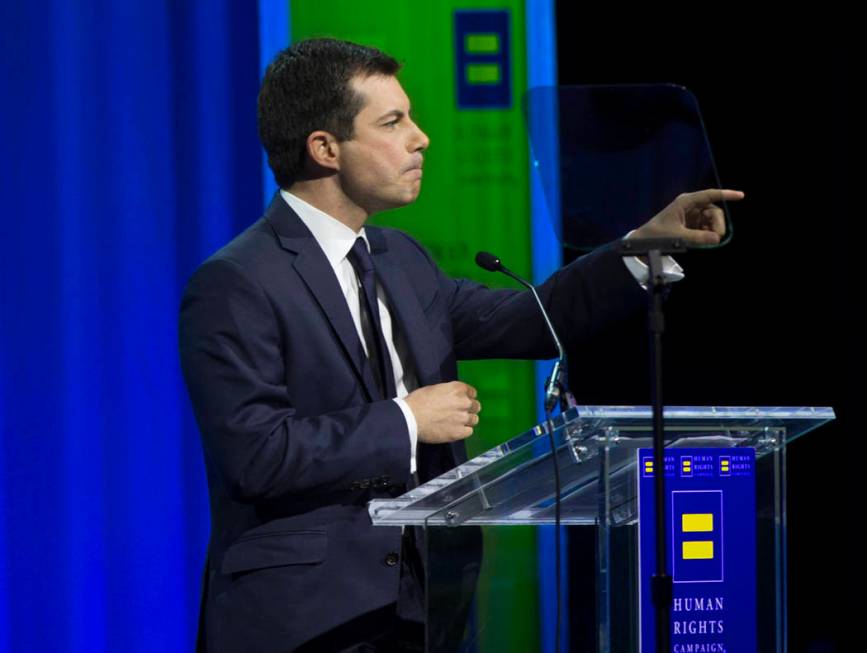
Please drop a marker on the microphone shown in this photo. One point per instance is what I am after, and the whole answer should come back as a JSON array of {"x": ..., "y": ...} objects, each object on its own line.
[{"x": 491, "y": 263}]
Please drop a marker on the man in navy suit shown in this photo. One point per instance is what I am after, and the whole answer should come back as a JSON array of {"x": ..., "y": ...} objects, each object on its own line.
[{"x": 320, "y": 356}]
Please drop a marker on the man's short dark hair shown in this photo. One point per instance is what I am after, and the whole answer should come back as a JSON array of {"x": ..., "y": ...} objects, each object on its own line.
[{"x": 306, "y": 88}]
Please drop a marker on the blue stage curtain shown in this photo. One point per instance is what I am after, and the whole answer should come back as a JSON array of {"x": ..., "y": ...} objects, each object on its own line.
[{"x": 128, "y": 153}]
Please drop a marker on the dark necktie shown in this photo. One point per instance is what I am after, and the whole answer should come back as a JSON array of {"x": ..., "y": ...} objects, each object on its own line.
[{"x": 371, "y": 327}]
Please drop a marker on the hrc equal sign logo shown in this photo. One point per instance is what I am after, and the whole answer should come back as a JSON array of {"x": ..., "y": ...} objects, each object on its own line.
[
  {"x": 697, "y": 536},
  {"x": 647, "y": 467},
  {"x": 686, "y": 466},
  {"x": 725, "y": 465},
  {"x": 482, "y": 59},
  {"x": 701, "y": 522}
]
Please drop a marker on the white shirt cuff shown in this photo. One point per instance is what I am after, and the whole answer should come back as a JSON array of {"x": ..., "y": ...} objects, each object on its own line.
[{"x": 412, "y": 427}]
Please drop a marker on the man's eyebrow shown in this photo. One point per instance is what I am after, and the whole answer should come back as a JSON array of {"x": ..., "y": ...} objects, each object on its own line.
[{"x": 394, "y": 113}]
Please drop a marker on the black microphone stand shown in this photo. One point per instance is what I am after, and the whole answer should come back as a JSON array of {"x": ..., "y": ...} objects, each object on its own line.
[
  {"x": 661, "y": 583},
  {"x": 556, "y": 391}
]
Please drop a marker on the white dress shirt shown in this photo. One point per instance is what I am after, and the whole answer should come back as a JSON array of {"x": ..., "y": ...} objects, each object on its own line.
[{"x": 336, "y": 240}]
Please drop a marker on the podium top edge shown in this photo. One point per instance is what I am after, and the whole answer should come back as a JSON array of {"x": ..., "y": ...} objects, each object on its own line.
[{"x": 704, "y": 412}]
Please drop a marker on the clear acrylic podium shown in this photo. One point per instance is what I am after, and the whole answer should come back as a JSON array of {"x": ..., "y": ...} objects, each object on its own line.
[{"x": 512, "y": 486}]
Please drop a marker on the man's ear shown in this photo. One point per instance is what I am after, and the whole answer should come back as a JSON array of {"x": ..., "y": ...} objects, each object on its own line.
[{"x": 323, "y": 150}]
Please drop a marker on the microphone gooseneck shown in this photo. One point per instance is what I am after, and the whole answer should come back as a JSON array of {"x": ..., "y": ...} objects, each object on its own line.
[
  {"x": 492, "y": 263},
  {"x": 488, "y": 261}
]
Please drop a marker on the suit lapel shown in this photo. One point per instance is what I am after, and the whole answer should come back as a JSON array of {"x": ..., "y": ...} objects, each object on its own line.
[
  {"x": 316, "y": 272},
  {"x": 408, "y": 314}
]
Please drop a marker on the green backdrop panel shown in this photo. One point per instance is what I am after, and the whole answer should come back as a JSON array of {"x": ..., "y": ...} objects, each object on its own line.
[{"x": 475, "y": 196}]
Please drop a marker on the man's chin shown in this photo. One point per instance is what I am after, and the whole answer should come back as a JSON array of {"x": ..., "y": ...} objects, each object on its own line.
[
  {"x": 384, "y": 208},
  {"x": 403, "y": 200}
]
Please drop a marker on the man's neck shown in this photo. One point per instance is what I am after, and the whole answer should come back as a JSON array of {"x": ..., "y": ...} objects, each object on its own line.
[{"x": 325, "y": 196}]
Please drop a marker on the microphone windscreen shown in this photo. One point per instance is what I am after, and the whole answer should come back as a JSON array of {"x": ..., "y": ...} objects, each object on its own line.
[{"x": 488, "y": 261}]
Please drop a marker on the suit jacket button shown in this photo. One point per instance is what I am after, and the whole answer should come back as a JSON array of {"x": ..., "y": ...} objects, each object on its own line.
[{"x": 391, "y": 559}]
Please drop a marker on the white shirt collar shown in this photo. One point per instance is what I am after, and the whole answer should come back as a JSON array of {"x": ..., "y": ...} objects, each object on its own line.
[{"x": 334, "y": 237}]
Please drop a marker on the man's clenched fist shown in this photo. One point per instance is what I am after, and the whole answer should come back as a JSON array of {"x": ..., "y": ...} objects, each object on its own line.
[{"x": 445, "y": 412}]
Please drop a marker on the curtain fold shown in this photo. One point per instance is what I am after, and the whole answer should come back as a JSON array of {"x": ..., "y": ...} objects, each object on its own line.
[{"x": 129, "y": 154}]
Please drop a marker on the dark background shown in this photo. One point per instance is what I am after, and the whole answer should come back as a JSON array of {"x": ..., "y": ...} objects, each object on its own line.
[{"x": 772, "y": 319}]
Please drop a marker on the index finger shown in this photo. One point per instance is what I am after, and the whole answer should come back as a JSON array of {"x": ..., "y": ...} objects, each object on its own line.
[
  {"x": 471, "y": 392},
  {"x": 711, "y": 195}
]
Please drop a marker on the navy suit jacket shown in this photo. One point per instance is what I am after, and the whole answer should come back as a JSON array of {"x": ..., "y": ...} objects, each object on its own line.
[{"x": 296, "y": 439}]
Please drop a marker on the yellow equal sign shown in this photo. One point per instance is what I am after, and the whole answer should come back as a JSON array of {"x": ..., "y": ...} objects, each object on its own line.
[
  {"x": 687, "y": 465},
  {"x": 648, "y": 466},
  {"x": 724, "y": 464},
  {"x": 698, "y": 550},
  {"x": 696, "y": 522}
]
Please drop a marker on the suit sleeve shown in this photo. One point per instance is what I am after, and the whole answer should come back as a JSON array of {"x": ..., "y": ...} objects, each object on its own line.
[
  {"x": 582, "y": 298},
  {"x": 233, "y": 365}
]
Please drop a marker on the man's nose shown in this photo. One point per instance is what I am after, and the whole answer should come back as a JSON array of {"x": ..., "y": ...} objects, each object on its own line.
[{"x": 420, "y": 141}]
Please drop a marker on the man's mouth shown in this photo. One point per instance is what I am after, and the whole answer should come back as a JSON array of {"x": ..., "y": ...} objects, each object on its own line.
[{"x": 415, "y": 166}]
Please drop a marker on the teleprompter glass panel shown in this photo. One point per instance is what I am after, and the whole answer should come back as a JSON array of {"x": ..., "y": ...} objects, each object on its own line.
[{"x": 611, "y": 157}]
